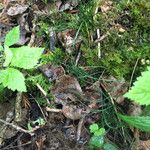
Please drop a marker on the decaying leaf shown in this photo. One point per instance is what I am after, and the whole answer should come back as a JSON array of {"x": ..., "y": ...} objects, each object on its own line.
[
  {"x": 66, "y": 82},
  {"x": 116, "y": 88},
  {"x": 69, "y": 5},
  {"x": 52, "y": 72},
  {"x": 106, "y": 6},
  {"x": 69, "y": 41},
  {"x": 17, "y": 9},
  {"x": 143, "y": 145}
]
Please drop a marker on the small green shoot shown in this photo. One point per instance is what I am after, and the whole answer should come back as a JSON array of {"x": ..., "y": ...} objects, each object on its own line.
[{"x": 97, "y": 138}]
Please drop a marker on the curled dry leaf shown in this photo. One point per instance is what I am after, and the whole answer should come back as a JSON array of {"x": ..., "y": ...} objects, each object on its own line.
[
  {"x": 72, "y": 112},
  {"x": 64, "y": 83},
  {"x": 17, "y": 9},
  {"x": 67, "y": 91}
]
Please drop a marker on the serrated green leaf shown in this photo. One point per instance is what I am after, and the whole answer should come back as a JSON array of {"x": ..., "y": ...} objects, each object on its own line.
[
  {"x": 26, "y": 57},
  {"x": 12, "y": 36},
  {"x": 1, "y": 47},
  {"x": 97, "y": 141},
  {"x": 8, "y": 55},
  {"x": 13, "y": 79},
  {"x": 100, "y": 132},
  {"x": 93, "y": 128},
  {"x": 142, "y": 123},
  {"x": 140, "y": 92}
]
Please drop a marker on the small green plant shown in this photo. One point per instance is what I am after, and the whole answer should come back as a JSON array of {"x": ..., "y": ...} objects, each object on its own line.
[
  {"x": 140, "y": 93},
  {"x": 97, "y": 138},
  {"x": 24, "y": 57}
]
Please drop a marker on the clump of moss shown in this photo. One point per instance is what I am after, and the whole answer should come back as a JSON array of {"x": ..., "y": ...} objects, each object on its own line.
[{"x": 120, "y": 50}]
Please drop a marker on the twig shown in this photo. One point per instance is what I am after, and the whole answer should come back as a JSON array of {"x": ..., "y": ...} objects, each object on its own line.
[
  {"x": 9, "y": 118},
  {"x": 78, "y": 57},
  {"x": 53, "y": 110},
  {"x": 18, "y": 107},
  {"x": 80, "y": 124},
  {"x": 133, "y": 72},
  {"x": 17, "y": 127},
  {"x": 98, "y": 36},
  {"x": 101, "y": 38},
  {"x": 43, "y": 92}
]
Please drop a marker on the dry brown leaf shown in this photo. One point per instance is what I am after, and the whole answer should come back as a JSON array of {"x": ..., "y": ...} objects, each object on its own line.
[
  {"x": 52, "y": 72},
  {"x": 67, "y": 39},
  {"x": 17, "y": 9},
  {"x": 116, "y": 88},
  {"x": 143, "y": 145},
  {"x": 106, "y": 6},
  {"x": 66, "y": 82}
]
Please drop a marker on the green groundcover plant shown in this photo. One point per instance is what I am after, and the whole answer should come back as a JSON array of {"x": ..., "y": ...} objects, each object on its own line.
[
  {"x": 16, "y": 59},
  {"x": 98, "y": 138},
  {"x": 140, "y": 93}
]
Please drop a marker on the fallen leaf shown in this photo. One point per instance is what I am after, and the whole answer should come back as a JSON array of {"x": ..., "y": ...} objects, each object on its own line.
[
  {"x": 17, "y": 9},
  {"x": 52, "y": 72},
  {"x": 116, "y": 87},
  {"x": 106, "y": 6},
  {"x": 68, "y": 41}
]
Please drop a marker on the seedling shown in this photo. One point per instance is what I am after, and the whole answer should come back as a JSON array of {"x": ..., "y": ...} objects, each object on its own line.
[
  {"x": 97, "y": 138},
  {"x": 24, "y": 57}
]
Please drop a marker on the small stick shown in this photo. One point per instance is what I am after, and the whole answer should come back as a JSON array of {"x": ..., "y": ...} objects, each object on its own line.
[
  {"x": 98, "y": 36},
  {"x": 18, "y": 107},
  {"x": 78, "y": 57},
  {"x": 43, "y": 92},
  {"x": 17, "y": 127},
  {"x": 102, "y": 37},
  {"x": 133, "y": 72},
  {"x": 53, "y": 110},
  {"x": 80, "y": 124}
]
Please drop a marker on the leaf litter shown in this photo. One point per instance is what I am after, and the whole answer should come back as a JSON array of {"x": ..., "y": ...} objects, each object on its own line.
[{"x": 72, "y": 107}]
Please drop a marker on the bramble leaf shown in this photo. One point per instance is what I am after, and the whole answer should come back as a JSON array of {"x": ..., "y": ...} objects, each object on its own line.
[
  {"x": 142, "y": 123},
  {"x": 13, "y": 79},
  {"x": 25, "y": 57},
  {"x": 8, "y": 55},
  {"x": 140, "y": 91},
  {"x": 12, "y": 36}
]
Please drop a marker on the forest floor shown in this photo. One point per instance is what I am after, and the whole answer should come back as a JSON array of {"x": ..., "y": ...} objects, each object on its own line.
[{"x": 93, "y": 52}]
